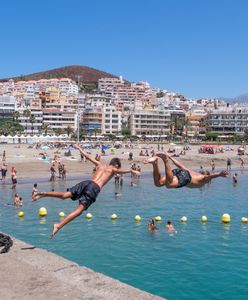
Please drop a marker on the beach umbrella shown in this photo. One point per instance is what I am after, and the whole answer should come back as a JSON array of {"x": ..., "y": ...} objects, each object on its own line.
[
  {"x": 86, "y": 145},
  {"x": 105, "y": 147},
  {"x": 44, "y": 147}
]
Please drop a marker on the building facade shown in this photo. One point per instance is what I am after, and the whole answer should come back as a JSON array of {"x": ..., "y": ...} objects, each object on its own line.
[{"x": 149, "y": 122}]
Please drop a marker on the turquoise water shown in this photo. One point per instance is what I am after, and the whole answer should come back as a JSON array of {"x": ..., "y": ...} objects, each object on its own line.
[{"x": 199, "y": 262}]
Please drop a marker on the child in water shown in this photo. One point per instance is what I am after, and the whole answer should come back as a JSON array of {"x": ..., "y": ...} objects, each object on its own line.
[
  {"x": 151, "y": 225},
  {"x": 169, "y": 226}
]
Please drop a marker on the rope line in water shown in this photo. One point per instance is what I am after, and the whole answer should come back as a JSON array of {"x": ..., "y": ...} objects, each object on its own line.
[{"x": 5, "y": 242}]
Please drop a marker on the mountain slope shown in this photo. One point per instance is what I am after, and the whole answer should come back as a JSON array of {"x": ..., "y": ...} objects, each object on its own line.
[
  {"x": 80, "y": 74},
  {"x": 240, "y": 99}
]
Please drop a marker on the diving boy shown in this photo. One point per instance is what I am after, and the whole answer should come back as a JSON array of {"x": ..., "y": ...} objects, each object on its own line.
[
  {"x": 181, "y": 176},
  {"x": 86, "y": 191}
]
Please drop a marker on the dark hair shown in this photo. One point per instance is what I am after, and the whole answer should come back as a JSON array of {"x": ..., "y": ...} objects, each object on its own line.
[
  {"x": 35, "y": 185},
  {"x": 115, "y": 161},
  {"x": 169, "y": 222}
]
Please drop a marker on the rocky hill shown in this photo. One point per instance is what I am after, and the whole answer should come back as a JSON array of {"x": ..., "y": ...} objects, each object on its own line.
[{"x": 80, "y": 74}]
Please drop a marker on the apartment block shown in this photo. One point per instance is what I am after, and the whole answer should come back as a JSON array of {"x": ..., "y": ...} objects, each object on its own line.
[
  {"x": 7, "y": 107},
  {"x": 231, "y": 120},
  {"x": 91, "y": 120},
  {"x": 111, "y": 121},
  {"x": 26, "y": 120},
  {"x": 57, "y": 119},
  {"x": 149, "y": 122}
]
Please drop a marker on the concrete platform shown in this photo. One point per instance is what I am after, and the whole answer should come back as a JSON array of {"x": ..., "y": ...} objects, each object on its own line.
[{"x": 37, "y": 274}]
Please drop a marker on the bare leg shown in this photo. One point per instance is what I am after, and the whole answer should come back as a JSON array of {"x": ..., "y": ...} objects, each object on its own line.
[
  {"x": 168, "y": 170},
  {"x": 176, "y": 162},
  {"x": 61, "y": 195},
  {"x": 158, "y": 179},
  {"x": 77, "y": 212}
]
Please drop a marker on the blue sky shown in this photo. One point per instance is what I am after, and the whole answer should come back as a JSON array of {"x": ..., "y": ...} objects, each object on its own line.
[{"x": 196, "y": 47}]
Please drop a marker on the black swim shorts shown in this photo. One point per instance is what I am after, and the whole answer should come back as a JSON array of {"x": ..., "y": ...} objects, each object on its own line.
[
  {"x": 183, "y": 177},
  {"x": 85, "y": 192}
]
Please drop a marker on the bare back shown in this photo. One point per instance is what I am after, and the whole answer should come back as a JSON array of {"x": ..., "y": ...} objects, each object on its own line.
[{"x": 103, "y": 174}]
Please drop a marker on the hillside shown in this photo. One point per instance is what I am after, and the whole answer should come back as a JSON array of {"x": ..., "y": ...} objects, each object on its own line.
[
  {"x": 80, "y": 74},
  {"x": 239, "y": 99}
]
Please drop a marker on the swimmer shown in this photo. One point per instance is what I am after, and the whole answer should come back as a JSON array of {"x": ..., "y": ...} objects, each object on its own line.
[
  {"x": 169, "y": 226},
  {"x": 86, "y": 191},
  {"x": 179, "y": 177},
  {"x": 34, "y": 190},
  {"x": 235, "y": 178},
  {"x": 151, "y": 225},
  {"x": 18, "y": 200},
  {"x": 117, "y": 194}
]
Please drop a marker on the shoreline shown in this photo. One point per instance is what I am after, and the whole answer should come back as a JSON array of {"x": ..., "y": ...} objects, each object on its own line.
[
  {"x": 29, "y": 166},
  {"x": 38, "y": 273}
]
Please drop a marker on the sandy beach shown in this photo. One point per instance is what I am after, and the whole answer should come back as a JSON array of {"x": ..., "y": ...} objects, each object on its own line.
[{"x": 29, "y": 165}]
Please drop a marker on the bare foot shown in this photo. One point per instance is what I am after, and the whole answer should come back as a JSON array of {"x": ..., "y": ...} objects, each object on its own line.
[
  {"x": 37, "y": 196},
  {"x": 55, "y": 230},
  {"x": 150, "y": 160},
  {"x": 163, "y": 156}
]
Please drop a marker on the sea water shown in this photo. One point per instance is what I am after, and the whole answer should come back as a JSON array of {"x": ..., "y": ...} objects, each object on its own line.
[{"x": 200, "y": 261}]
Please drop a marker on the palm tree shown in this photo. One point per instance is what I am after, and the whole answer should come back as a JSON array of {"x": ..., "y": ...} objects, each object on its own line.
[
  {"x": 58, "y": 131},
  {"x": 69, "y": 130},
  {"x": 45, "y": 127},
  {"x": 176, "y": 124},
  {"x": 32, "y": 121},
  {"x": 16, "y": 115},
  {"x": 96, "y": 131},
  {"x": 26, "y": 114}
]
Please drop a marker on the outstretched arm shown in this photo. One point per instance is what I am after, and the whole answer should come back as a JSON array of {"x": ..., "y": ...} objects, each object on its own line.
[
  {"x": 126, "y": 171},
  {"x": 87, "y": 156},
  {"x": 215, "y": 175}
]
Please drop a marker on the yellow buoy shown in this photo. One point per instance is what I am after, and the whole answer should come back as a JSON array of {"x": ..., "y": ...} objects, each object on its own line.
[
  {"x": 114, "y": 217},
  {"x": 20, "y": 214},
  {"x": 204, "y": 219},
  {"x": 226, "y": 218},
  {"x": 42, "y": 212},
  {"x": 89, "y": 216},
  {"x": 184, "y": 219},
  {"x": 244, "y": 220},
  {"x": 158, "y": 218},
  {"x": 137, "y": 218},
  {"x": 62, "y": 214}
]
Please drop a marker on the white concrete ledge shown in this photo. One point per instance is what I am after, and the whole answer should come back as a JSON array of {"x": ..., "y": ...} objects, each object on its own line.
[{"x": 28, "y": 274}]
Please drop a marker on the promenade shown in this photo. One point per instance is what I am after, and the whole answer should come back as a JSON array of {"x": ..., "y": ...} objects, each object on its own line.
[{"x": 28, "y": 274}]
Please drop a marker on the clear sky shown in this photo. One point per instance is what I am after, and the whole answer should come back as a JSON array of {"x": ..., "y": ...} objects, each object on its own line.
[{"x": 196, "y": 47}]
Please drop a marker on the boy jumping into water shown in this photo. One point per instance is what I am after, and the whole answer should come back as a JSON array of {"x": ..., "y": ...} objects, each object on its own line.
[
  {"x": 86, "y": 191},
  {"x": 181, "y": 176}
]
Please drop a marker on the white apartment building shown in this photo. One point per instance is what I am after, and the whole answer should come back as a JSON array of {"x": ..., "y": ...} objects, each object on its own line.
[
  {"x": 231, "y": 120},
  {"x": 7, "y": 107},
  {"x": 68, "y": 87},
  {"x": 111, "y": 121},
  {"x": 153, "y": 122},
  {"x": 25, "y": 121},
  {"x": 98, "y": 100},
  {"x": 57, "y": 119}
]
